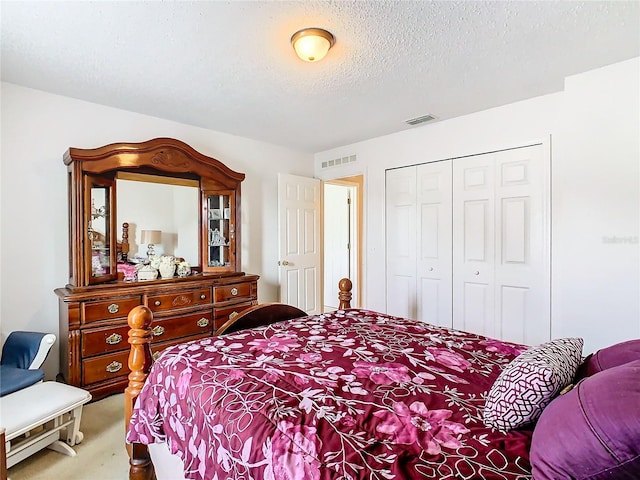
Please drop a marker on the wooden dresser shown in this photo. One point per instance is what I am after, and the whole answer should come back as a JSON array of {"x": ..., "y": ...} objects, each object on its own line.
[
  {"x": 93, "y": 322},
  {"x": 95, "y": 302}
]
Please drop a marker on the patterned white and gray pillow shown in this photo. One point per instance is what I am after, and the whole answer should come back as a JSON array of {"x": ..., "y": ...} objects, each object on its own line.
[{"x": 529, "y": 383}]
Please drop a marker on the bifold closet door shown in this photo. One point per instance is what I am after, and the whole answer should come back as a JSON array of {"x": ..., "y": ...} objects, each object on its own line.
[
  {"x": 419, "y": 245},
  {"x": 400, "y": 216},
  {"x": 500, "y": 258},
  {"x": 434, "y": 245}
]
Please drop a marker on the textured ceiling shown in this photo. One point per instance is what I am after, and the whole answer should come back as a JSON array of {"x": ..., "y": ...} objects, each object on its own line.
[{"x": 229, "y": 66}]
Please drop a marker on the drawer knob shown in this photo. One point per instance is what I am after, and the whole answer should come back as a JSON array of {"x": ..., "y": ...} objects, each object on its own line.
[
  {"x": 157, "y": 303},
  {"x": 113, "y": 308},
  {"x": 114, "y": 367},
  {"x": 203, "y": 322},
  {"x": 203, "y": 296},
  {"x": 114, "y": 339},
  {"x": 233, "y": 315},
  {"x": 157, "y": 330},
  {"x": 234, "y": 291}
]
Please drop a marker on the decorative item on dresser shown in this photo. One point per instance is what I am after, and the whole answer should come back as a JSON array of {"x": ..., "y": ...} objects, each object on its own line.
[
  {"x": 151, "y": 238},
  {"x": 101, "y": 292}
]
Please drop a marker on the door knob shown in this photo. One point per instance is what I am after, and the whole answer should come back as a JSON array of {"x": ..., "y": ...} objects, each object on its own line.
[
  {"x": 476, "y": 272},
  {"x": 283, "y": 263}
]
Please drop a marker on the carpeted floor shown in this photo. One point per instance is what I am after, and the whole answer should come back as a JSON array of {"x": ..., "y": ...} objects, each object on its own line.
[{"x": 100, "y": 456}]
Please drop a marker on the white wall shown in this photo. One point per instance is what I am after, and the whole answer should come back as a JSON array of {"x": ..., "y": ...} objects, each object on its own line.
[
  {"x": 37, "y": 128},
  {"x": 596, "y": 207},
  {"x": 593, "y": 132}
]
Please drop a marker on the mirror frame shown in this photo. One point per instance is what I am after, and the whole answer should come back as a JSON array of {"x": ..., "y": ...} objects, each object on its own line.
[{"x": 165, "y": 157}]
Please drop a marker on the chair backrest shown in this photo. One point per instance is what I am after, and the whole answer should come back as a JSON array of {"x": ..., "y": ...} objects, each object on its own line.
[{"x": 27, "y": 350}]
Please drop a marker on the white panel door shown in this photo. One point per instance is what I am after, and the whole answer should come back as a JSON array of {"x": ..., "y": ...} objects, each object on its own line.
[
  {"x": 501, "y": 263},
  {"x": 434, "y": 243},
  {"x": 337, "y": 238},
  {"x": 401, "y": 242},
  {"x": 473, "y": 244},
  {"x": 299, "y": 242},
  {"x": 522, "y": 298}
]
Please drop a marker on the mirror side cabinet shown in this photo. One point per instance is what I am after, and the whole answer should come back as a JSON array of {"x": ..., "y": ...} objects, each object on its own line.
[{"x": 99, "y": 230}]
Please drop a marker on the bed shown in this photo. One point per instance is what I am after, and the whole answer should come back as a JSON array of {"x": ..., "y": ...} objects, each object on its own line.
[{"x": 350, "y": 394}]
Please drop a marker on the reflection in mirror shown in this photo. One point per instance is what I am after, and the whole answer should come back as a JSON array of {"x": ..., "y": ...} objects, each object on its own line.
[{"x": 170, "y": 205}]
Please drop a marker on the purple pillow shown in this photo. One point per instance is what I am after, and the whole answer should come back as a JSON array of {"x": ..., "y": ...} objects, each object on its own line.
[
  {"x": 593, "y": 431},
  {"x": 609, "y": 357}
]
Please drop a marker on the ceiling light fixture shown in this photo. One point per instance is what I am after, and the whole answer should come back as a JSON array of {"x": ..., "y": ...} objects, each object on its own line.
[{"x": 312, "y": 44}]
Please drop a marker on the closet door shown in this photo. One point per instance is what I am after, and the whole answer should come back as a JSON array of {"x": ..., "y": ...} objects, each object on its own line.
[
  {"x": 522, "y": 273},
  {"x": 401, "y": 241},
  {"x": 501, "y": 267},
  {"x": 419, "y": 263},
  {"x": 434, "y": 249},
  {"x": 474, "y": 244}
]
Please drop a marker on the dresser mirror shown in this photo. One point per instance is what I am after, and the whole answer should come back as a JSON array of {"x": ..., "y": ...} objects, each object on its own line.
[
  {"x": 161, "y": 185},
  {"x": 170, "y": 205}
]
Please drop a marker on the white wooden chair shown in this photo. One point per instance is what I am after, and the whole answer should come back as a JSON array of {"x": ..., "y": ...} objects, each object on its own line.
[{"x": 35, "y": 414}]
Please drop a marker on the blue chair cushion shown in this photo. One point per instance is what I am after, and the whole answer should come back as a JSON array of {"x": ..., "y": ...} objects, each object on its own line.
[
  {"x": 21, "y": 348},
  {"x": 13, "y": 379}
]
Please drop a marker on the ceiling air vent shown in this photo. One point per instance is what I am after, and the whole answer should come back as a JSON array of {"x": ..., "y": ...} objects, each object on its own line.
[
  {"x": 338, "y": 161},
  {"x": 422, "y": 119}
]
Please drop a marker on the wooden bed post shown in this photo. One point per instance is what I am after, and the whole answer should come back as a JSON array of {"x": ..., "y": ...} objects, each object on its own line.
[
  {"x": 344, "y": 295},
  {"x": 140, "y": 360},
  {"x": 125, "y": 241}
]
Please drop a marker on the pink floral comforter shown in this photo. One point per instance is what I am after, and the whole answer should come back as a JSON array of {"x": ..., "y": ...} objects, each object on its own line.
[{"x": 353, "y": 394}]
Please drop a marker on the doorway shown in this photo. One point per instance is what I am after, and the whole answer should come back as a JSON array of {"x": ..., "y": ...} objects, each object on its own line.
[{"x": 342, "y": 238}]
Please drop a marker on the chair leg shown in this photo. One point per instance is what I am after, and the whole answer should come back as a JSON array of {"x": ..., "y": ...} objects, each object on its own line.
[{"x": 74, "y": 435}]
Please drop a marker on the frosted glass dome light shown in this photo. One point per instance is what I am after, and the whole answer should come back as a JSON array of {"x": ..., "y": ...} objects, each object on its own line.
[{"x": 312, "y": 44}]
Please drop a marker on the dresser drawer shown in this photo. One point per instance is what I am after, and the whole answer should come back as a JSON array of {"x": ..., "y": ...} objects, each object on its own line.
[
  {"x": 105, "y": 340},
  {"x": 221, "y": 315},
  {"x": 114, "y": 308},
  {"x": 105, "y": 367},
  {"x": 182, "y": 326},
  {"x": 230, "y": 292},
  {"x": 181, "y": 299}
]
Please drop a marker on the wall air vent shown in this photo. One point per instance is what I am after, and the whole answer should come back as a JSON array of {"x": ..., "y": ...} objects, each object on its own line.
[
  {"x": 338, "y": 161},
  {"x": 419, "y": 120}
]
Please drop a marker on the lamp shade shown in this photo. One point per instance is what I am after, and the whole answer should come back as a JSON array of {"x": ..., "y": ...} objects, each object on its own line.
[
  {"x": 312, "y": 44},
  {"x": 151, "y": 236}
]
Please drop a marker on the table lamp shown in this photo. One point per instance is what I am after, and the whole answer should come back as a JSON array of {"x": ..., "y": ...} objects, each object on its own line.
[{"x": 151, "y": 238}]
